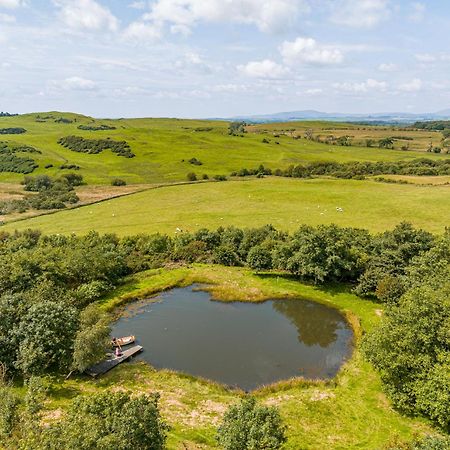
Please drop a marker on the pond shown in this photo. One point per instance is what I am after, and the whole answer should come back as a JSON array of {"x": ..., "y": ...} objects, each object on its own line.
[{"x": 239, "y": 344}]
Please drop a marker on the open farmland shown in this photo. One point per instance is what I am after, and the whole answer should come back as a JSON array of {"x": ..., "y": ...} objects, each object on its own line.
[
  {"x": 285, "y": 203},
  {"x": 163, "y": 147}
]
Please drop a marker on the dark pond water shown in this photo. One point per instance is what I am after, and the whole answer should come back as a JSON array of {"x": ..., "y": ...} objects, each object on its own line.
[{"x": 239, "y": 344}]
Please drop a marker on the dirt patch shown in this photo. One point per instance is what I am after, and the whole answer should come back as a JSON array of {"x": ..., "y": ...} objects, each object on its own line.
[
  {"x": 317, "y": 396},
  {"x": 278, "y": 400}
]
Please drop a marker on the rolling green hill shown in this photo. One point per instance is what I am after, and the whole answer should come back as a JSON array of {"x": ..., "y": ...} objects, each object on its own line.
[{"x": 163, "y": 147}]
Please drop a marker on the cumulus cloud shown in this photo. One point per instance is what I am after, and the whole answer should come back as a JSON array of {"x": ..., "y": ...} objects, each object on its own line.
[
  {"x": 74, "y": 84},
  {"x": 263, "y": 69},
  {"x": 414, "y": 85},
  {"x": 360, "y": 13},
  {"x": 387, "y": 67},
  {"x": 182, "y": 15},
  {"x": 141, "y": 31},
  {"x": 11, "y": 4},
  {"x": 307, "y": 50},
  {"x": 369, "y": 85},
  {"x": 86, "y": 15}
]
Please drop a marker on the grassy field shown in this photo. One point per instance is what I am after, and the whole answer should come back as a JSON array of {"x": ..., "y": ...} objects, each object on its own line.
[
  {"x": 164, "y": 146},
  {"x": 349, "y": 412},
  {"x": 285, "y": 203}
]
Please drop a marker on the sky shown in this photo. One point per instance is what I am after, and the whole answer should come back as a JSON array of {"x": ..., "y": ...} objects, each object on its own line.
[{"x": 222, "y": 58}]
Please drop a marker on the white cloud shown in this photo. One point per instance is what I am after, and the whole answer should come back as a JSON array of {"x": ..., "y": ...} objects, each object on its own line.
[
  {"x": 263, "y": 69},
  {"x": 11, "y": 4},
  {"x": 360, "y": 13},
  {"x": 230, "y": 88},
  {"x": 86, "y": 15},
  {"x": 307, "y": 50},
  {"x": 140, "y": 31},
  {"x": 414, "y": 85},
  {"x": 138, "y": 5},
  {"x": 418, "y": 12},
  {"x": 314, "y": 91},
  {"x": 387, "y": 67},
  {"x": 266, "y": 15},
  {"x": 7, "y": 18},
  {"x": 369, "y": 85},
  {"x": 74, "y": 84},
  {"x": 430, "y": 58}
]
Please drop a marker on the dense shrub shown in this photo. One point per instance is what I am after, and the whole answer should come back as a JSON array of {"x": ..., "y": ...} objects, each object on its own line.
[
  {"x": 9, "y": 162},
  {"x": 51, "y": 193},
  {"x": 17, "y": 130},
  {"x": 118, "y": 182},
  {"x": 94, "y": 146},
  {"x": 236, "y": 128},
  {"x": 356, "y": 170},
  {"x": 96, "y": 127},
  {"x": 195, "y": 162},
  {"x": 249, "y": 425},
  {"x": 191, "y": 176}
]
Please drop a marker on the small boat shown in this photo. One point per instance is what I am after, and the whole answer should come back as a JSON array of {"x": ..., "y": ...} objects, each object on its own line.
[{"x": 120, "y": 342}]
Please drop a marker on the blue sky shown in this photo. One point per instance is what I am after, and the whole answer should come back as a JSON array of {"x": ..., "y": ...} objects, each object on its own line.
[{"x": 219, "y": 58}]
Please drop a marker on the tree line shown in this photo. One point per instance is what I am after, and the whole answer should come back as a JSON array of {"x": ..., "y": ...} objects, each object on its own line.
[
  {"x": 49, "y": 286},
  {"x": 354, "y": 169}
]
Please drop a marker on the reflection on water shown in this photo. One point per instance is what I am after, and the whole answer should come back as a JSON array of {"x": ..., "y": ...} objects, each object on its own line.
[{"x": 238, "y": 344}]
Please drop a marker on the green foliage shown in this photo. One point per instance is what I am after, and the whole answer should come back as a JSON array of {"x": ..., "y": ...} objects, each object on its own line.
[
  {"x": 95, "y": 146},
  {"x": 356, "y": 170},
  {"x": 16, "y": 130},
  {"x": 249, "y": 426},
  {"x": 15, "y": 164},
  {"x": 191, "y": 176},
  {"x": 118, "y": 182},
  {"x": 226, "y": 255},
  {"x": 426, "y": 443},
  {"x": 9, "y": 403},
  {"x": 52, "y": 193},
  {"x": 92, "y": 339},
  {"x": 236, "y": 128},
  {"x": 411, "y": 350},
  {"x": 45, "y": 337},
  {"x": 433, "y": 125},
  {"x": 259, "y": 258},
  {"x": 108, "y": 421},
  {"x": 195, "y": 162},
  {"x": 96, "y": 127}
]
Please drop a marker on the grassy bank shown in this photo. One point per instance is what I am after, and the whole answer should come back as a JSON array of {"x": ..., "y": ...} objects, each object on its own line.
[
  {"x": 286, "y": 203},
  {"x": 349, "y": 412}
]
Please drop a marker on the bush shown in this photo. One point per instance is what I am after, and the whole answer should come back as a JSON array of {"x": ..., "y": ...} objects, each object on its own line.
[
  {"x": 195, "y": 162},
  {"x": 220, "y": 177},
  {"x": 191, "y": 176},
  {"x": 248, "y": 425},
  {"x": 95, "y": 146},
  {"x": 118, "y": 182},
  {"x": 259, "y": 258},
  {"x": 226, "y": 256},
  {"x": 12, "y": 130}
]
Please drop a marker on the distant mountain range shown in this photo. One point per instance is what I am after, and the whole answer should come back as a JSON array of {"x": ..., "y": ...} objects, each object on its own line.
[{"x": 394, "y": 117}]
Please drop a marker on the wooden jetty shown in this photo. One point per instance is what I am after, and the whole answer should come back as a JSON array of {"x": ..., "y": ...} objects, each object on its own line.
[{"x": 113, "y": 361}]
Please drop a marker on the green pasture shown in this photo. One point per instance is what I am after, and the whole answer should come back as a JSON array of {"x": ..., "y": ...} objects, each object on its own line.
[
  {"x": 285, "y": 203},
  {"x": 164, "y": 146}
]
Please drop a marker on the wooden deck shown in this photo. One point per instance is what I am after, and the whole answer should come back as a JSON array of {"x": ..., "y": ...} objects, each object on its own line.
[{"x": 108, "y": 364}]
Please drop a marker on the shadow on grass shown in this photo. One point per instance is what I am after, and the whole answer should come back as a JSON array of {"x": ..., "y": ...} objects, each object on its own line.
[{"x": 328, "y": 288}]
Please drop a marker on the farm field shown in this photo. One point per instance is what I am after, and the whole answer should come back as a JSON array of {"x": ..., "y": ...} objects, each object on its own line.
[
  {"x": 163, "y": 147},
  {"x": 285, "y": 203}
]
